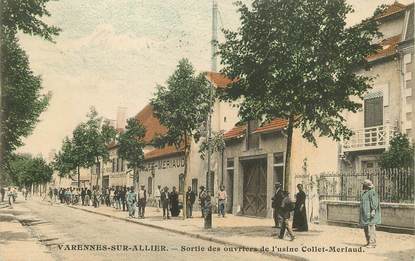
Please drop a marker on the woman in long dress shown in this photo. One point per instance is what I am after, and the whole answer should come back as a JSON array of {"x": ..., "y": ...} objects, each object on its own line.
[
  {"x": 174, "y": 200},
  {"x": 300, "y": 216}
]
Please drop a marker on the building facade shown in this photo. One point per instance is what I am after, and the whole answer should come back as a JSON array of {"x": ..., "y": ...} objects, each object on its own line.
[{"x": 388, "y": 106}]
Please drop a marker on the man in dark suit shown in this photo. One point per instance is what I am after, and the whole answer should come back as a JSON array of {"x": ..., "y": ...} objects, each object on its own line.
[
  {"x": 165, "y": 198},
  {"x": 276, "y": 204},
  {"x": 190, "y": 200}
]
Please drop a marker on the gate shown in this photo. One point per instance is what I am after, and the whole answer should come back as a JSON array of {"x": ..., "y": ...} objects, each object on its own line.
[{"x": 254, "y": 187}]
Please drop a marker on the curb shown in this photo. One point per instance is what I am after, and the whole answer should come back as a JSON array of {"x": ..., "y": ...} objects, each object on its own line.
[{"x": 193, "y": 235}]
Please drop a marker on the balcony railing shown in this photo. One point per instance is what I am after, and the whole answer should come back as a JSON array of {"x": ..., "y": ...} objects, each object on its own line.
[{"x": 369, "y": 138}]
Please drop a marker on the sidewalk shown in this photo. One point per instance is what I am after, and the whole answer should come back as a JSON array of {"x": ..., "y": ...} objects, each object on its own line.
[
  {"x": 16, "y": 242},
  {"x": 237, "y": 231}
]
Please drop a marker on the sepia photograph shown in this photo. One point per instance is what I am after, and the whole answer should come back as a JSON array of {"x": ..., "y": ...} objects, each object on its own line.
[{"x": 207, "y": 130}]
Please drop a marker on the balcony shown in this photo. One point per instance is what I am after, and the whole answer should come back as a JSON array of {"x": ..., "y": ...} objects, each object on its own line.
[{"x": 369, "y": 138}]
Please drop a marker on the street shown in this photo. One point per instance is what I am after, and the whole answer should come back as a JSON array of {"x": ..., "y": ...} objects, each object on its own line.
[{"x": 72, "y": 234}]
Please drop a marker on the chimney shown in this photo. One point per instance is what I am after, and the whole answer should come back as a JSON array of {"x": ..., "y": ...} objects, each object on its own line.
[{"x": 121, "y": 117}]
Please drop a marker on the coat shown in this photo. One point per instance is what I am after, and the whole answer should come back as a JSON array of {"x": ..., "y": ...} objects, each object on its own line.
[
  {"x": 369, "y": 201},
  {"x": 277, "y": 199}
]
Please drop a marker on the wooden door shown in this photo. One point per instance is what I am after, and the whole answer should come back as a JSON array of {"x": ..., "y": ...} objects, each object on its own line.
[{"x": 255, "y": 187}]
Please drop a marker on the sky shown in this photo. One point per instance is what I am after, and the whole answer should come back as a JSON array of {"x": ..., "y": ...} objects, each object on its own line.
[{"x": 113, "y": 53}]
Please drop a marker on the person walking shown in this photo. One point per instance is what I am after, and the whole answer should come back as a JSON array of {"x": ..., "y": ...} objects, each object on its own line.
[
  {"x": 202, "y": 199},
  {"x": 222, "y": 198},
  {"x": 174, "y": 201},
  {"x": 123, "y": 195},
  {"x": 165, "y": 202},
  {"x": 117, "y": 198},
  {"x": 88, "y": 197},
  {"x": 300, "y": 215},
  {"x": 284, "y": 212},
  {"x": 131, "y": 200},
  {"x": 142, "y": 201},
  {"x": 370, "y": 215},
  {"x": 190, "y": 200},
  {"x": 83, "y": 193},
  {"x": 276, "y": 204},
  {"x": 10, "y": 197},
  {"x": 157, "y": 196}
]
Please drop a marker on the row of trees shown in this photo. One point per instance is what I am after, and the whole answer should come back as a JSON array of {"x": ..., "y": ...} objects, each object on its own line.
[{"x": 90, "y": 143}]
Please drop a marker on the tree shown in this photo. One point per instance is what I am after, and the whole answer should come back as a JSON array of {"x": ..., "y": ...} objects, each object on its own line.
[
  {"x": 131, "y": 144},
  {"x": 64, "y": 161},
  {"x": 298, "y": 61},
  {"x": 182, "y": 107},
  {"x": 90, "y": 142},
  {"x": 400, "y": 153},
  {"x": 20, "y": 100}
]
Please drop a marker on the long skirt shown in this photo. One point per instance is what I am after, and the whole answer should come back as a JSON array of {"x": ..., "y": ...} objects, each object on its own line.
[{"x": 300, "y": 220}]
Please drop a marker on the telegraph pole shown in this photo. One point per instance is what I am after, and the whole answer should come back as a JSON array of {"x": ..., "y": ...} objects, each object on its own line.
[{"x": 213, "y": 69}]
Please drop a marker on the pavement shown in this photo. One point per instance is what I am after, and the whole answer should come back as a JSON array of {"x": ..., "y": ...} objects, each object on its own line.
[
  {"x": 321, "y": 242},
  {"x": 16, "y": 242}
]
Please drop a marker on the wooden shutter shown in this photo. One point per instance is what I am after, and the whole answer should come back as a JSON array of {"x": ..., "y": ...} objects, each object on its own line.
[{"x": 373, "y": 112}]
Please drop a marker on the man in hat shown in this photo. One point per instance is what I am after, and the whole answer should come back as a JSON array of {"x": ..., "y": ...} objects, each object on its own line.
[
  {"x": 142, "y": 200},
  {"x": 165, "y": 202},
  {"x": 202, "y": 199},
  {"x": 369, "y": 212},
  {"x": 276, "y": 203}
]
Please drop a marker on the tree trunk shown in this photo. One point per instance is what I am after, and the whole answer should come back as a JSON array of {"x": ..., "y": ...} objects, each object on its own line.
[
  {"x": 186, "y": 156},
  {"x": 98, "y": 171},
  {"x": 287, "y": 178},
  {"x": 79, "y": 178}
]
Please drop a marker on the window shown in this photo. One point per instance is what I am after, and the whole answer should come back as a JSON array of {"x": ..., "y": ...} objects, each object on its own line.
[
  {"x": 181, "y": 183},
  {"x": 279, "y": 168},
  {"x": 194, "y": 186},
  {"x": 150, "y": 185},
  {"x": 252, "y": 138},
  {"x": 230, "y": 167},
  {"x": 373, "y": 111},
  {"x": 113, "y": 165},
  {"x": 122, "y": 164},
  {"x": 118, "y": 165}
]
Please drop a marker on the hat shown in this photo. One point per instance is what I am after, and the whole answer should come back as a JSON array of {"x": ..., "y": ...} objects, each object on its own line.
[
  {"x": 368, "y": 183},
  {"x": 202, "y": 187}
]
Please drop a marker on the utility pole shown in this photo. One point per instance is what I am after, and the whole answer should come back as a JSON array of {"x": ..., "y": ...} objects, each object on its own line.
[{"x": 213, "y": 69}]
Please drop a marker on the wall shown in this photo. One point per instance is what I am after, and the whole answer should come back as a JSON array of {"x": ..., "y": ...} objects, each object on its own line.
[{"x": 397, "y": 216}]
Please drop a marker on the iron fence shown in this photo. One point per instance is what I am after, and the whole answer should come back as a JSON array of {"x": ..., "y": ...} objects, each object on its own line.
[{"x": 392, "y": 185}]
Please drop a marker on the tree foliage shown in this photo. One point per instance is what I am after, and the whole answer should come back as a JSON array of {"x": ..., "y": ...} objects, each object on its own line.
[
  {"x": 182, "y": 106},
  {"x": 90, "y": 141},
  {"x": 26, "y": 170},
  {"x": 216, "y": 144},
  {"x": 400, "y": 153},
  {"x": 64, "y": 161},
  {"x": 22, "y": 101},
  {"x": 131, "y": 144}
]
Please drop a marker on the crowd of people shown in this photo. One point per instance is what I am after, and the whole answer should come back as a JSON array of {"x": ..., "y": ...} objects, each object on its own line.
[{"x": 125, "y": 198}]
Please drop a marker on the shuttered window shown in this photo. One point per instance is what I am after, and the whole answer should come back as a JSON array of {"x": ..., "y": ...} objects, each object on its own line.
[{"x": 373, "y": 111}]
